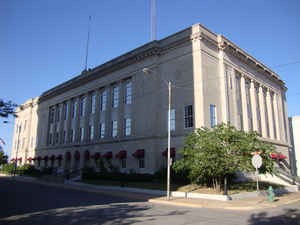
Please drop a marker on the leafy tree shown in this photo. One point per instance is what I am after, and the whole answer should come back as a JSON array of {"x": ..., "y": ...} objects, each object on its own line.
[
  {"x": 7, "y": 108},
  {"x": 211, "y": 155},
  {"x": 3, "y": 158}
]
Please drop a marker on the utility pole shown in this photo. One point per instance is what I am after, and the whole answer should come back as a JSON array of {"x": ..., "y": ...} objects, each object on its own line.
[{"x": 169, "y": 140}]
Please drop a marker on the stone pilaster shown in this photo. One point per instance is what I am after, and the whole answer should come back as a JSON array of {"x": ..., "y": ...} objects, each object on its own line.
[
  {"x": 262, "y": 112},
  {"x": 244, "y": 103},
  {"x": 253, "y": 105},
  {"x": 270, "y": 115},
  {"x": 222, "y": 80}
]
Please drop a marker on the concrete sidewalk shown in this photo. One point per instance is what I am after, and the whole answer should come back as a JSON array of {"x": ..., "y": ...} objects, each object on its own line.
[
  {"x": 251, "y": 203},
  {"x": 239, "y": 204}
]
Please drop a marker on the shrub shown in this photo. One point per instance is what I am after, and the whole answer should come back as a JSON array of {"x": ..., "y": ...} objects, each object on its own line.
[
  {"x": 8, "y": 168},
  {"x": 28, "y": 169}
]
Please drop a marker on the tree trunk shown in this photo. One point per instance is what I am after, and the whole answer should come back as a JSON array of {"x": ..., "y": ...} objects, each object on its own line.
[
  {"x": 225, "y": 186},
  {"x": 218, "y": 185}
]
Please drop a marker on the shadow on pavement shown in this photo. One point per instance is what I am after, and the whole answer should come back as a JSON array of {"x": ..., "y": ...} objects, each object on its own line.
[
  {"x": 28, "y": 203},
  {"x": 290, "y": 217}
]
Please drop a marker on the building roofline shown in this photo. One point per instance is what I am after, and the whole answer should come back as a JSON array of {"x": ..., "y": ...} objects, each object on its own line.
[{"x": 150, "y": 49}]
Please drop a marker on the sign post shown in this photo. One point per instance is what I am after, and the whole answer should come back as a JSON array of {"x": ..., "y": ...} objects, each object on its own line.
[{"x": 257, "y": 162}]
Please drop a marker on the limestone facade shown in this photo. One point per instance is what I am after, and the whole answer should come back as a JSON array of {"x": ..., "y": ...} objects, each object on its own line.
[
  {"x": 117, "y": 107},
  {"x": 294, "y": 123}
]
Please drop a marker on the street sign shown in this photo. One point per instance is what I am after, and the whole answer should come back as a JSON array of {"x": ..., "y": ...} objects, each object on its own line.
[{"x": 256, "y": 161}]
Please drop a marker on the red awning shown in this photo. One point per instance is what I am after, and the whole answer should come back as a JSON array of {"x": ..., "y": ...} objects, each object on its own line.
[
  {"x": 20, "y": 159},
  {"x": 108, "y": 155},
  {"x": 273, "y": 155},
  {"x": 282, "y": 156},
  {"x": 86, "y": 155},
  {"x": 45, "y": 158},
  {"x": 59, "y": 157},
  {"x": 122, "y": 154},
  {"x": 278, "y": 156},
  {"x": 96, "y": 156},
  {"x": 172, "y": 151},
  {"x": 68, "y": 156},
  {"x": 140, "y": 153},
  {"x": 13, "y": 159},
  {"x": 30, "y": 158},
  {"x": 77, "y": 155},
  {"x": 52, "y": 158}
]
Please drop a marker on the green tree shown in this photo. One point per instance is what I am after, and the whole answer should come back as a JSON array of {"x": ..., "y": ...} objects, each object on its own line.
[
  {"x": 3, "y": 158},
  {"x": 7, "y": 108},
  {"x": 211, "y": 155}
]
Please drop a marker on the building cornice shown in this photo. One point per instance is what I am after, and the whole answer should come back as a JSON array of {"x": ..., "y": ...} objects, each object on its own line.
[
  {"x": 157, "y": 48},
  {"x": 229, "y": 47}
]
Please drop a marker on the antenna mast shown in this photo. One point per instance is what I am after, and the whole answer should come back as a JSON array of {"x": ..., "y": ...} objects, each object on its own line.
[
  {"x": 87, "y": 44},
  {"x": 153, "y": 20}
]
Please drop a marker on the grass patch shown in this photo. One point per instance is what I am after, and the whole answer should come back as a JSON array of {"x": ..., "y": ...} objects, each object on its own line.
[{"x": 233, "y": 189}]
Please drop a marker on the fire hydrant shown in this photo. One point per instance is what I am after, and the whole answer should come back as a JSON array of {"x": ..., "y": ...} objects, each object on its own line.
[{"x": 271, "y": 194}]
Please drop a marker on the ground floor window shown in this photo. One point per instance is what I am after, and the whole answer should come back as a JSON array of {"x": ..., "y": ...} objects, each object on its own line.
[
  {"x": 141, "y": 163},
  {"x": 123, "y": 163}
]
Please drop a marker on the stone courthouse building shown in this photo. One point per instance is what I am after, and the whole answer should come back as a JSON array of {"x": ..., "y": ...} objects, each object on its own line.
[{"x": 118, "y": 112}]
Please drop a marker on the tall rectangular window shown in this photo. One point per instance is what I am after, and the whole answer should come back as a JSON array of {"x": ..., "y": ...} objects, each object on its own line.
[
  {"x": 188, "y": 116},
  {"x": 74, "y": 109},
  {"x": 213, "y": 116},
  {"x": 51, "y": 116},
  {"x": 128, "y": 93},
  {"x": 50, "y": 138},
  {"x": 56, "y": 137},
  {"x": 127, "y": 127},
  {"x": 91, "y": 132},
  {"x": 66, "y": 111},
  {"x": 81, "y": 134},
  {"x": 123, "y": 163},
  {"x": 103, "y": 99},
  {"x": 93, "y": 103},
  {"x": 141, "y": 163},
  {"x": 82, "y": 106},
  {"x": 102, "y": 130},
  {"x": 58, "y": 114},
  {"x": 64, "y": 137},
  {"x": 114, "y": 130},
  {"x": 72, "y": 136},
  {"x": 115, "y": 97}
]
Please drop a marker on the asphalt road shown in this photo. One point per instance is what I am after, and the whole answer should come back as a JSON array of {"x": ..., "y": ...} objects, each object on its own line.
[{"x": 27, "y": 203}]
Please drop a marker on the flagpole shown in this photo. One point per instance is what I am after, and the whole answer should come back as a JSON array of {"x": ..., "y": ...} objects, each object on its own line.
[{"x": 87, "y": 44}]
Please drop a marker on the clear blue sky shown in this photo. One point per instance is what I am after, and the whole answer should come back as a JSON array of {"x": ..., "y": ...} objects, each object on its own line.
[{"x": 42, "y": 43}]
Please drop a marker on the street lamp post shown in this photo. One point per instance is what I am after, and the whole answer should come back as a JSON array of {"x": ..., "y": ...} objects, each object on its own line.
[
  {"x": 148, "y": 71},
  {"x": 169, "y": 140}
]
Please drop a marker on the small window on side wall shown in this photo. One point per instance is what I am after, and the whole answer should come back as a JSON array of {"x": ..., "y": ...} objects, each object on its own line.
[{"x": 213, "y": 118}]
